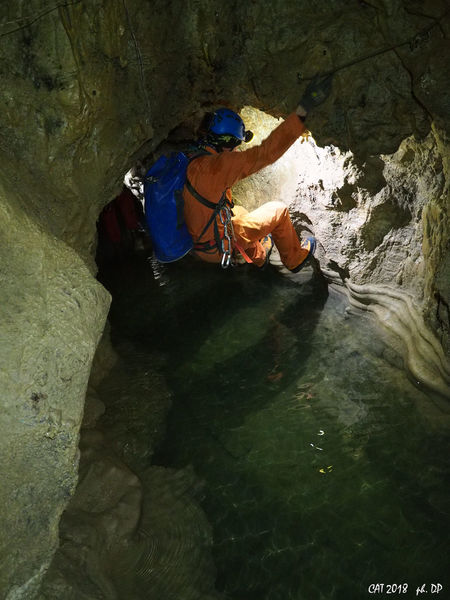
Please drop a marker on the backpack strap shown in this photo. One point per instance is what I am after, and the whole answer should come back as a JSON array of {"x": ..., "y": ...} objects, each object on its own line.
[
  {"x": 215, "y": 207},
  {"x": 199, "y": 197}
]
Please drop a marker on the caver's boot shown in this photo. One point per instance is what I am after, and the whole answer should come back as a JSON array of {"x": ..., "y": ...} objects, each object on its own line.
[
  {"x": 268, "y": 245},
  {"x": 266, "y": 242},
  {"x": 309, "y": 244},
  {"x": 307, "y": 270}
]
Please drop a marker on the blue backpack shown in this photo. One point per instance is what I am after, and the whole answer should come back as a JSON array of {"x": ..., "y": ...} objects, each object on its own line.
[{"x": 164, "y": 207}]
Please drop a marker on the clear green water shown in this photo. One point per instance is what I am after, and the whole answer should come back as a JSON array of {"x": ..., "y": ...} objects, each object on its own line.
[{"x": 325, "y": 470}]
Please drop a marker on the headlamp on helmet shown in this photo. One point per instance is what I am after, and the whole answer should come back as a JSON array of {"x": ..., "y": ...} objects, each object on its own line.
[{"x": 228, "y": 128}]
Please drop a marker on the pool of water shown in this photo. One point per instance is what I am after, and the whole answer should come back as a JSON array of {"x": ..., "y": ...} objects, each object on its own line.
[{"x": 325, "y": 469}]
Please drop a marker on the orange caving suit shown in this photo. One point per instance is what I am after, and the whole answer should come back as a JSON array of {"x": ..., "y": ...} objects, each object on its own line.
[{"x": 213, "y": 173}]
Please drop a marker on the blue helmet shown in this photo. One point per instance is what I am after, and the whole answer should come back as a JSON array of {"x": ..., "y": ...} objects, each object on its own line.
[{"x": 227, "y": 122}]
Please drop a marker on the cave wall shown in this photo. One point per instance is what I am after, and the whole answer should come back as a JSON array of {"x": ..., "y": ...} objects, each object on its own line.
[
  {"x": 89, "y": 87},
  {"x": 370, "y": 227},
  {"x": 52, "y": 313}
]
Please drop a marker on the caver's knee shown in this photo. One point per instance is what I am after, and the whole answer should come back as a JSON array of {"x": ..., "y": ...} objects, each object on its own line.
[
  {"x": 276, "y": 204},
  {"x": 276, "y": 207},
  {"x": 239, "y": 211}
]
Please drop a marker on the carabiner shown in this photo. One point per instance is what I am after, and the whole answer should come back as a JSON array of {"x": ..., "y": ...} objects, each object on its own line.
[
  {"x": 225, "y": 218},
  {"x": 226, "y": 254},
  {"x": 226, "y": 260}
]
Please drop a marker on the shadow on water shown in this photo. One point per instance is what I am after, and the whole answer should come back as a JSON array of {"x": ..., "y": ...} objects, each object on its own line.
[
  {"x": 223, "y": 333},
  {"x": 321, "y": 475}
]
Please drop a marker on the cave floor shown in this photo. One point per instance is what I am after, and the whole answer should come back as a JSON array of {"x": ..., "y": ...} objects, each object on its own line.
[{"x": 323, "y": 469}]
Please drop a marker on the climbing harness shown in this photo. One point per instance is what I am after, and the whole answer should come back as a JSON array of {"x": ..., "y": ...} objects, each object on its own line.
[{"x": 221, "y": 210}]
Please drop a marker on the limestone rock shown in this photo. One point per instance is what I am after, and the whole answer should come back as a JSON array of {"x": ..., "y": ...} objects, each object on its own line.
[
  {"x": 52, "y": 313},
  {"x": 129, "y": 537},
  {"x": 379, "y": 223}
]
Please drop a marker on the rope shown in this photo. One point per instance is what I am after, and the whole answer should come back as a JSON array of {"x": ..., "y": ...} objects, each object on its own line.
[
  {"x": 360, "y": 59},
  {"x": 36, "y": 18}
]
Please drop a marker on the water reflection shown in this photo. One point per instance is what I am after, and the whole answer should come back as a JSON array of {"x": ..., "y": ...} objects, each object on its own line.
[{"x": 322, "y": 474}]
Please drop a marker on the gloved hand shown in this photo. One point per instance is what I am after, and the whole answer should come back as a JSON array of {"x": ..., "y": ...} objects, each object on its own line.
[{"x": 317, "y": 92}]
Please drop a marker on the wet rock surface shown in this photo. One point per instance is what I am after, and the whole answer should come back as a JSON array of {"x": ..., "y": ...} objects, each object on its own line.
[
  {"x": 125, "y": 535},
  {"x": 90, "y": 87}
]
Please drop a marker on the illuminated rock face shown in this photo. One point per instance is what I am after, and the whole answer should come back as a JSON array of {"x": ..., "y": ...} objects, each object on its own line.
[
  {"x": 382, "y": 221},
  {"x": 371, "y": 222},
  {"x": 87, "y": 88}
]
